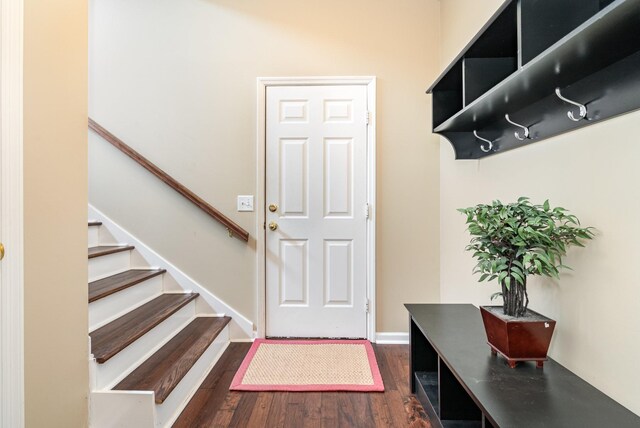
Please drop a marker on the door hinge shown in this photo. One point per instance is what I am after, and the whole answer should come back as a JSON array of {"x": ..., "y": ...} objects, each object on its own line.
[
  {"x": 367, "y": 211},
  {"x": 366, "y": 306},
  {"x": 368, "y": 117}
]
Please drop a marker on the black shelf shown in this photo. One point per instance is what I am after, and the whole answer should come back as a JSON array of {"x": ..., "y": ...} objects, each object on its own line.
[
  {"x": 481, "y": 74},
  {"x": 428, "y": 382},
  {"x": 473, "y": 388},
  {"x": 461, "y": 424},
  {"x": 588, "y": 48},
  {"x": 449, "y": 99},
  {"x": 544, "y": 22},
  {"x": 506, "y": 33},
  {"x": 427, "y": 393}
]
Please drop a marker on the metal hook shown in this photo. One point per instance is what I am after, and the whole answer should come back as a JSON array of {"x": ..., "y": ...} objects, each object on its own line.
[
  {"x": 583, "y": 108},
  {"x": 517, "y": 134},
  {"x": 485, "y": 140}
]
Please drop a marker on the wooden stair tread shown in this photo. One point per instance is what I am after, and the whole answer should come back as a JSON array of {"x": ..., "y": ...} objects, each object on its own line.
[
  {"x": 112, "y": 284},
  {"x": 112, "y": 338},
  {"x": 166, "y": 368},
  {"x": 103, "y": 250},
  {"x": 95, "y": 223}
]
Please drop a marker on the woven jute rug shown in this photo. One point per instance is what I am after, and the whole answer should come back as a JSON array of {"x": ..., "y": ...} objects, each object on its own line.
[{"x": 309, "y": 365}]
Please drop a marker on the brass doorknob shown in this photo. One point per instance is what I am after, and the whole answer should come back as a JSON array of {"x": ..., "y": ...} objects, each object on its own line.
[
  {"x": 273, "y": 225},
  {"x": 273, "y": 208},
  {"x": 1, "y": 251}
]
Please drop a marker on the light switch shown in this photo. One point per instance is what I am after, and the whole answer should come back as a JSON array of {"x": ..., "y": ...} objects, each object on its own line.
[{"x": 245, "y": 202}]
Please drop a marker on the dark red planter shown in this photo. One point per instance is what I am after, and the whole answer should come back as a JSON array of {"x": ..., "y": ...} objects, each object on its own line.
[{"x": 518, "y": 339}]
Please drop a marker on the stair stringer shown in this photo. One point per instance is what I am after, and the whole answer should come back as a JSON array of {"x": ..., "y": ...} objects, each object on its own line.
[
  {"x": 122, "y": 409},
  {"x": 240, "y": 328}
]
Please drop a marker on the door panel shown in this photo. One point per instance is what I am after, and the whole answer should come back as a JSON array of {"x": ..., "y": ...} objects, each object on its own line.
[
  {"x": 338, "y": 274},
  {"x": 338, "y": 168},
  {"x": 316, "y": 173},
  {"x": 294, "y": 278},
  {"x": 294, "y": 176}
]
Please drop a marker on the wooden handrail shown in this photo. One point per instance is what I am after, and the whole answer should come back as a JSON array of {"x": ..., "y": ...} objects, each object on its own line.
[{"x": 233, "y": 228}]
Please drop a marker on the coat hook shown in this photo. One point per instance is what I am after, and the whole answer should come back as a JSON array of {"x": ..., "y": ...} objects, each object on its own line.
[
  {"x": 517, "y": 134},
  {"x": 583, "y": 108},
  {"x": 485, "y": 140}
]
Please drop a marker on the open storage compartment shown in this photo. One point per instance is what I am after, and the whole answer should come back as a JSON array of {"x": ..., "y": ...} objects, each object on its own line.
[
  {"x": 424, "y": 376},
  {"x": 457, "y": 408},
  {"x": 448, "y": 98},
  {"x": 544, "y": 22},
  {"x": 587, "y": 49},
  {"x": 493, "y": 56},
  {"x": 441, "y": 394}
]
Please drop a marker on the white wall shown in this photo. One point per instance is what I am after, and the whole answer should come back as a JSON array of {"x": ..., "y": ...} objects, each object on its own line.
[
  {"x": 593, "y": 172},
  {"x": 176, "y": 80}
]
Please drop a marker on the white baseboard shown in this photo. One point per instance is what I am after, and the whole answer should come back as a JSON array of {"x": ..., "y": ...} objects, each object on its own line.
[
  {"x": 398, "y": 338},
  {"x": 239, "y": 328}
]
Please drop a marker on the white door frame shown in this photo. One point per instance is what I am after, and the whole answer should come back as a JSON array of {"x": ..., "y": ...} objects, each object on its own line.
[
  {"x": 263, "y": 83},
  {"x": 11, "y": 224}
]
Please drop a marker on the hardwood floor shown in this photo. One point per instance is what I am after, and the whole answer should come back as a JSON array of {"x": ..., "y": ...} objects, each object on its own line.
[{"x": 214, "y": 405}]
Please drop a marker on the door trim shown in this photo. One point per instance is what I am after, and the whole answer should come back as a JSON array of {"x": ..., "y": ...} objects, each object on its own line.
[
  {"x": 11, "y": 224},
  {"x": 263, "y": 83}
]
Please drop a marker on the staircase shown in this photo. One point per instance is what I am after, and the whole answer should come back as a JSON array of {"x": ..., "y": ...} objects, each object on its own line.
[{"x": 152, "y": 343}]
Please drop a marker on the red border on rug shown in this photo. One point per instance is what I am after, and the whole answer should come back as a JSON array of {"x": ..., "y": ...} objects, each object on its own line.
[{"x": 378, "y": 386}]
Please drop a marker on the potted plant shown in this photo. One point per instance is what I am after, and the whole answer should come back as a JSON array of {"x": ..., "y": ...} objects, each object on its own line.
[{"x": 512, "y": 242}]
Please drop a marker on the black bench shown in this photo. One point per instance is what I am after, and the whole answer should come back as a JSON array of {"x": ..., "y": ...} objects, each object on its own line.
[{"x": 460, "y": 384}]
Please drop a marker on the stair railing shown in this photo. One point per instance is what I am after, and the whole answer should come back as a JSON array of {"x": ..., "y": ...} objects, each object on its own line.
[{"x": 233, "y": 228}]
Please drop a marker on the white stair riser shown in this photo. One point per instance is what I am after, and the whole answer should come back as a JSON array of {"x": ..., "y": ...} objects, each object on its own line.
[
  {"x": 116, "y": 368},
  {"x": 104, "y": 266},
  {"x": 94, "y": 236},
  {"x": 114, "y": 306},
  {"x": 122, "y": 409},
  {"x": 168, "y": 412}
]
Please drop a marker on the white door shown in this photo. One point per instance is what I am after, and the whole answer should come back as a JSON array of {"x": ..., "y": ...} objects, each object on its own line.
[{"x": 316, "y": 195}]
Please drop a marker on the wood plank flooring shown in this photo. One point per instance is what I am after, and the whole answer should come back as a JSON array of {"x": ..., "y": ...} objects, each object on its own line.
[{"x": 214, "y": 405}]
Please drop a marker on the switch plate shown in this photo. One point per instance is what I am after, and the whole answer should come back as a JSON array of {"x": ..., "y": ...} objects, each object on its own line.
[{"x": 245, "y": 202}]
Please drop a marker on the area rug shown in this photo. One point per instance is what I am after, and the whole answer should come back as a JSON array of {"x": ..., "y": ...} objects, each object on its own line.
[{"x": 309, "y": 365}]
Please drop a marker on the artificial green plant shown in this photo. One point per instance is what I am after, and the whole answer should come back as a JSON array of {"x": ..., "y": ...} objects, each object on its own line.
[{"x": 516, "y": 240}]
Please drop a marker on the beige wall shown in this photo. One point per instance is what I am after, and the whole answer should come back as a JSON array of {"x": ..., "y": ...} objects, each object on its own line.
[
  {"x": 55, "y": 218},
  {"x": 593, "y": 172},
  {"x": 177, "y": 81}
]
